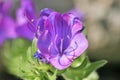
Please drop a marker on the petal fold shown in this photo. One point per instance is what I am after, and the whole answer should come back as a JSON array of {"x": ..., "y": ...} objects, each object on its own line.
[
  {"x": 74, "y": 23},
  {"x": 60, "y": 62},
  {"x": 78, "y": 44}
]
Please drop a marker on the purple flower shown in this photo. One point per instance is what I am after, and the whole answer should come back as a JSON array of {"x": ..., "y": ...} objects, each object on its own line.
[
  {"x": 5, "y": 6},
  {"x": 7, "y": 24},
  {"x": 23, "y": 24},
  {"x": 61, "y": 39}
]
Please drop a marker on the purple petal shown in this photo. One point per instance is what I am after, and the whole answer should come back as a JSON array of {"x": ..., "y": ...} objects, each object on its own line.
[
  {"x": 73, "y": 22},
  {"x": 46, "y": 12},
  {"x": 30, "y": 14},
  {"x": 38, "y": 55},
  {"x": 30, "y": 11},
  {"x": 60, "y": 62},
  {"x": 26, "y": 20},
  {"x": 9, "y": 27},
  {"x": 64, "y": 61},
  {"x": 23, "y": 31},
  {"x": 7, "y": 6},
  {"x": 78, "y": 44},
  {"x": 58, "y": 27},
  {"x": 7, "y": 24},
  {"x": 21, "y": 19},
  {"x": 40, "y": 24},
  {"x": 23, "y": 25},
  {"x": 44, "y": 42},
  {"x": 77, "y": 27}
]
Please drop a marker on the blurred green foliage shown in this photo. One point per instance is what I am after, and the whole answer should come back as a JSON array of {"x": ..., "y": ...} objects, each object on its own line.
[{"x": 18, "y": 57}]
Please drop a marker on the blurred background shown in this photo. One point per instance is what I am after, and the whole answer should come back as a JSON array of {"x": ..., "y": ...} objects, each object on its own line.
[{"x": 102, "y": 23}]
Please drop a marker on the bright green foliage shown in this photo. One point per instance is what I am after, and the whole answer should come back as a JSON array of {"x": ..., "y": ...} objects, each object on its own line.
[{"x": 14, "y": 53}]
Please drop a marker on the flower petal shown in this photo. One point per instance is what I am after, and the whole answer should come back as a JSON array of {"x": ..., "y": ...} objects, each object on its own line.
[
  {"x": 9, "y": 27},
  {"x": 44, "y": 42},
  {"x": 5, "y": 6},
  {"x": 58, "y": 27},
  {"x": 30, "y": 14},
  {"x": 40, "y": 24},
  {"x": 74, "y": 22},
  {"x": 21, "y": 19},
  {"x": 29, "y": 9},
  {"x": 60, "y": 62},
  {"x": 23, "y": 31},
  {"x": 46, "y": 12},
  {"x": 78, "y": 44}
]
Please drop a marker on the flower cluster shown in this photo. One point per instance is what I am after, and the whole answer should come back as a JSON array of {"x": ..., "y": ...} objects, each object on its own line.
[
  {"x": 22, "y": 22},
  {"x": 11, "y": 28},
  {"x": 7, "y": 24},
  {"x": 60, "y": 38}
]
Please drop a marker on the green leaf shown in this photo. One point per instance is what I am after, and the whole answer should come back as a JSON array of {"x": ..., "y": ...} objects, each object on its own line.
[
  {"x": 83, "y": 64},
  {"x": 52, "y": 77},
  {"x": 29, "y": 54},
  {"x": 77, "y": 62},
  {"x": 34, "y": 46},
  {"x": 93, "y": 66},
  {"x": 84, "y": 69},
  {"x": 92, "y": 76}
]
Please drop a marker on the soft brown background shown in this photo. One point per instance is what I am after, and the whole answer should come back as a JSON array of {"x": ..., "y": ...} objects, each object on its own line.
[{"x": 103, "y": 26}]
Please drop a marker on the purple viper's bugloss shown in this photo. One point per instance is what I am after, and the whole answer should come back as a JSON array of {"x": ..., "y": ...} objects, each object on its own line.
[
  {"x": 22, "y": 22},
  {"x": 60, "y": 38},
  {"x": 7, "y": 24}
]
